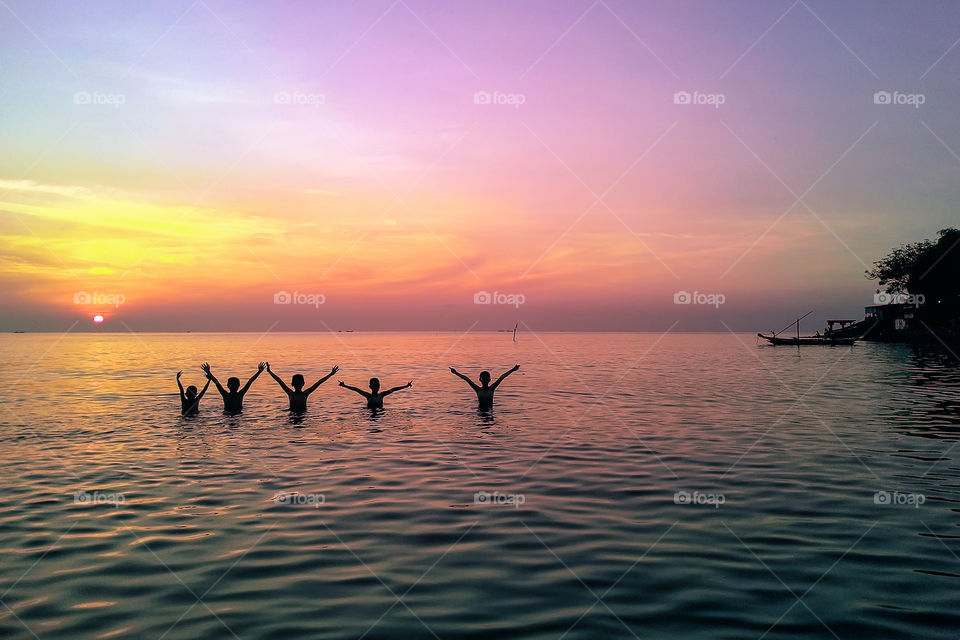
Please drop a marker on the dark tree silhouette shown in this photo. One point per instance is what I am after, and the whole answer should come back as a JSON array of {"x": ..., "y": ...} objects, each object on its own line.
[{"x": 929, "y": 268}]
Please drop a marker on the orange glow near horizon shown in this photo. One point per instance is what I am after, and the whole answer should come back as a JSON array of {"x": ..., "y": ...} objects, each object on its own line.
[
  {"x": 105, "y": 245},
  {"x": 196, "y": 180}
]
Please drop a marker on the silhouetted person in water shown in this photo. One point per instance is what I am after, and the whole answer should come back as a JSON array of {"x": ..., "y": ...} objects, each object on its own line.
[
  {"x": 190, "y": 399},
  {"x": 298, "y": 395},
  {"x": 485, "y": 389},
  {"x": 232, "y": 399},
  {"x": 375, "y": 396}
]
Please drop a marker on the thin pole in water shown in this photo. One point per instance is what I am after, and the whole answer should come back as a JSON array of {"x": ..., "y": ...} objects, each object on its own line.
[{"x": 798, "y": 335}]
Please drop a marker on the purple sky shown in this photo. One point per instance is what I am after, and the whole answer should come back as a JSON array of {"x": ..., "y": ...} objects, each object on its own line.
[{"x": 197, "y": 158}]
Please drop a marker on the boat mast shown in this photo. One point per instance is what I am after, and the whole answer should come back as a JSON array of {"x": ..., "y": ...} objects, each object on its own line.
[{"x": 796, "y": 321}]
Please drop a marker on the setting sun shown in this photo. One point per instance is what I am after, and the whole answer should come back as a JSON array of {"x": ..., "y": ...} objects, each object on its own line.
[{"x": 482, "y": 319}]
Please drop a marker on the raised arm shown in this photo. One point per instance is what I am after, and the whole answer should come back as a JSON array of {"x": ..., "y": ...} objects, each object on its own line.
[
  {"x": 501, "y": 378},
  {"x": 360, "y": 391},
  {"x": 260, "y": 368},
  {"x": 204, "y": 390},
  {"x": 464, "y": 378},
  {"x": 206, "y": 369},
  {"x": 389, "y": 391},
  {"x": 279, "y": 381},
  {"x": 322, "y": 380},
  {"x": 180, "y": 384}
]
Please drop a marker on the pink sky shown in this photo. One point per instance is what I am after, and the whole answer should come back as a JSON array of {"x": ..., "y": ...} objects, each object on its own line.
[{"x": 193, "y": 160}]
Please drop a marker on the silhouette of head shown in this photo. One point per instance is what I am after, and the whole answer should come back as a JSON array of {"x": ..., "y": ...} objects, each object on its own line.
[
  {"x": 233, "y": 383},
  {"x": 191, "y": 391},
  {"x": 297, "y": 381},
  {"x": 484, "y": 378},
  {"x": 375, "y": 384}
]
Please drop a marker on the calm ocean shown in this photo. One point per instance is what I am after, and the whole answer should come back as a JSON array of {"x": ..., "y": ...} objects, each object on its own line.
[{"x": 626, "y": 485}]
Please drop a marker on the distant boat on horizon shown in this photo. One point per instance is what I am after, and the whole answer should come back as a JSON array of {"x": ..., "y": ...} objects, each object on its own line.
[
  {"x": 807, "y": 340},
  {"x": 798, "y": 340}
]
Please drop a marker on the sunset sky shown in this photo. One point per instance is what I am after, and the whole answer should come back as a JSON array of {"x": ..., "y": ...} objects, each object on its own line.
[{"x": 193, "y": 159}]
